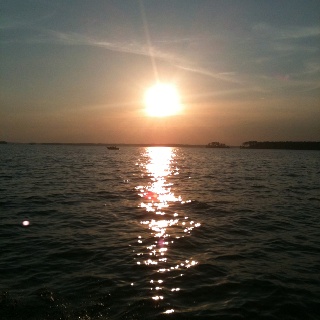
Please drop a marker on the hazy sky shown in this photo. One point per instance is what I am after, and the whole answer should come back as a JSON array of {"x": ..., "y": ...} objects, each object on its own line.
[{"x": 77, "y": 70}]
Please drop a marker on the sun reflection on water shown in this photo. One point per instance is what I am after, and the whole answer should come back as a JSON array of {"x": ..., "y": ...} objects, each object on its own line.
[{"x": 164, "y": 225}]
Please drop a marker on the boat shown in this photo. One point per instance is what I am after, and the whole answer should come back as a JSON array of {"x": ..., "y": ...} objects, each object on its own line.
[{"x": 113, "y": 148}]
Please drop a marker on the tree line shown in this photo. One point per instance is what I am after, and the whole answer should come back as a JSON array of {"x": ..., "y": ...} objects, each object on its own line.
[{"x": 292, "y": 145}]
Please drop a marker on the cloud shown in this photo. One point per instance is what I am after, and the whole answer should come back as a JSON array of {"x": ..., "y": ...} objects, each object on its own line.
[
  {"x": 259, "y": 59},
  {"x": 281, "y": 33},
  {"x": 225, "y": 76},
  {"x": 50, "y": 36},
  {"x": 246, "y": 81},
  {"x": 131, "y": 47},
  {"x": 299, "y": 32}
]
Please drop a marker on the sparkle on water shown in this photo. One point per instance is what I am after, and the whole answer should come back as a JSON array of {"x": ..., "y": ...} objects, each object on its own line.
[{"x": 166, "y": 226}]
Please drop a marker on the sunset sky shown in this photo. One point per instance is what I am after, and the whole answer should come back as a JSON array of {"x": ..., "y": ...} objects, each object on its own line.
[{"x": 78, "y": 70}]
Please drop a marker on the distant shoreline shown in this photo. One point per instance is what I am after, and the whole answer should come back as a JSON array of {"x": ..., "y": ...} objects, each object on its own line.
[
  {"x": 280, "y": 145},
  {"x": 109, "y": 144},
  {"x": 283, "y": 145}
]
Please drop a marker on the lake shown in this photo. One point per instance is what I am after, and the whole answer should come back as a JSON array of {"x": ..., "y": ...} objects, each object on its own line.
[{"x": 158, "y": 233}]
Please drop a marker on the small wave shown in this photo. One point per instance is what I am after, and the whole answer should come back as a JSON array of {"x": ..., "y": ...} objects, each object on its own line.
[{"x": 194, "y": 204}]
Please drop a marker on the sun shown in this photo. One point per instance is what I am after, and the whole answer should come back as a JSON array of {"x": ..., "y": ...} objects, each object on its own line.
[{"x": 162, "y": 100}]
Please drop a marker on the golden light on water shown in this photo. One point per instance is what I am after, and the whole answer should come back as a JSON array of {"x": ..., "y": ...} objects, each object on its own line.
[{"x": 163, "y": 224}]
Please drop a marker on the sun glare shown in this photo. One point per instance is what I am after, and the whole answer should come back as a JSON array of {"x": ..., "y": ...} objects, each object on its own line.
[{"x": 162, "y": 100}]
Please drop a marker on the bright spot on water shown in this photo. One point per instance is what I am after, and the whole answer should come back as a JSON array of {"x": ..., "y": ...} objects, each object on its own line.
[
  {"x": 158, "y": 194},
  {"x": 25, "y": 223},
  {"x": 169, "y": 311}
]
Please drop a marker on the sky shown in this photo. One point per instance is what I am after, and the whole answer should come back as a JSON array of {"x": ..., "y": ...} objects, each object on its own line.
[{"x": 77, "y": 70}]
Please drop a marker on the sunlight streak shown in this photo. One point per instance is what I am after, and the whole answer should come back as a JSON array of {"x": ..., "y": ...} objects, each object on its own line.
[
  {"x": 148, "y": 39},
  {"x": 165, "y": 226}
]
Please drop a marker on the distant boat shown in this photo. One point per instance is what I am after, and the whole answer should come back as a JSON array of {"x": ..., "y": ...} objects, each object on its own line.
[{"x": 113, "y": 148}]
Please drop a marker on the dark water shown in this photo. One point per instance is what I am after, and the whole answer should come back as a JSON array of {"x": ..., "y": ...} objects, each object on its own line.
[{"x": 159, "y": 233}]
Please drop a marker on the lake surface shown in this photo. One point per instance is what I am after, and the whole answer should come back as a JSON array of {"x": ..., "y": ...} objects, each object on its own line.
[{"x": 158, "y": 233}]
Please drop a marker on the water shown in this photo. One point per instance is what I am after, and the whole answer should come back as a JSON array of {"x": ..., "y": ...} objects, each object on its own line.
[{"x": 158, "y": 233}]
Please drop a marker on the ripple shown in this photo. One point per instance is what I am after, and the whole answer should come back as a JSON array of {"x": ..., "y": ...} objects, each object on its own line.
[{"x": 226, "y": 235}]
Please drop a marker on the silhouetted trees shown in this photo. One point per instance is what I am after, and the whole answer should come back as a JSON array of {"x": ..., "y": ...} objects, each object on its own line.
[
  {"x": 291, "y": 145},
  {"x": 216, "y": 145}
]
